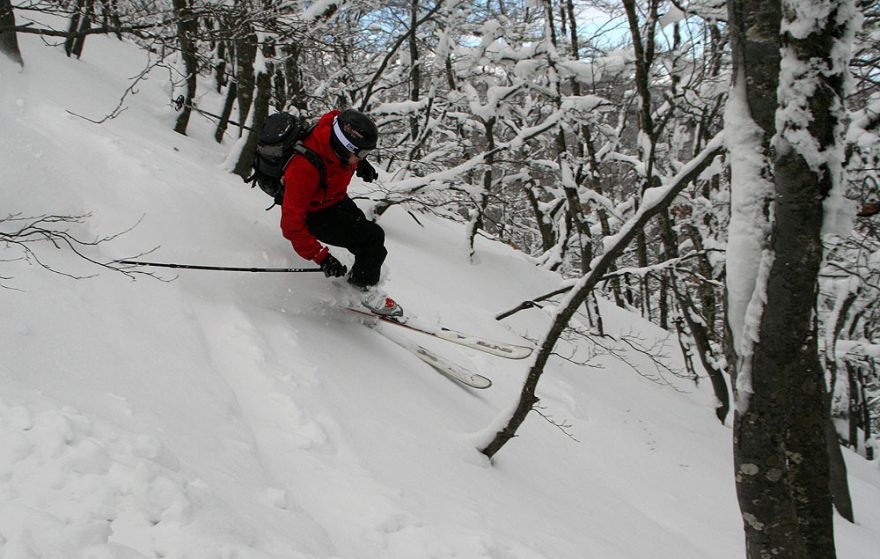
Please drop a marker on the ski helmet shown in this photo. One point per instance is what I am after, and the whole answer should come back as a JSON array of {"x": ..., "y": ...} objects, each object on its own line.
[{"x": 353, "y": 133}]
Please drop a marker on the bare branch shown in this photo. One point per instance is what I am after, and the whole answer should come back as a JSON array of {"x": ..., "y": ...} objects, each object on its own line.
[{"x": 53, "y": 229}]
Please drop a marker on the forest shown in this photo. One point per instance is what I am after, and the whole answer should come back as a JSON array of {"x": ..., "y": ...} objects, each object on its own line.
[{"x": 709, "y": 165}]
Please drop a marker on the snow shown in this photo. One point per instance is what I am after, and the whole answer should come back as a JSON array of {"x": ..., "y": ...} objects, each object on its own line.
[
  {"x": 798, "y": 83},
  {"x": 218, "y": 415},
  {"x": 857, "y": 132},
  {"x": 400, "y": 108},
  {"x": 674, "y": 15},
  {"x": 601, "y": 67},
  {"x": 748, "y": 252},
  {"x": 317, "y": 8}
]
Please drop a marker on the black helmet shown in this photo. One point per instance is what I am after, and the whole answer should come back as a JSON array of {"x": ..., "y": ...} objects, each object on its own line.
[{"x": 353, "y": 133}]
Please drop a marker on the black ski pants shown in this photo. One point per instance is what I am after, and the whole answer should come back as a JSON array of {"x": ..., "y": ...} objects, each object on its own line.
[{"x": 345, "y": 225}]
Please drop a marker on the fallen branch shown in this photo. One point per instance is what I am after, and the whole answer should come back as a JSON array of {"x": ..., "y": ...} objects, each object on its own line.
[{"x": 653, "y": 202}]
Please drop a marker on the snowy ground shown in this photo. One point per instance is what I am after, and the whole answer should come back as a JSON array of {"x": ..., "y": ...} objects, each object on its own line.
[{"x": 232, "y": 415}]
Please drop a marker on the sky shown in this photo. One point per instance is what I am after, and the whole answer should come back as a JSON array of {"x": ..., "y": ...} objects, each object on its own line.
[{"x": 213, "y": 415}]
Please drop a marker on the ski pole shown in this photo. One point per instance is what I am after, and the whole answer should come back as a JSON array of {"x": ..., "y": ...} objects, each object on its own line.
[
  {"x": 216, "y": 268},
  {"x": 181, "y": 101}
]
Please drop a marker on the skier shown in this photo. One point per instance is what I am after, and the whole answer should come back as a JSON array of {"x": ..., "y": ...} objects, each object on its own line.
[{"x": 311, "y": 214}]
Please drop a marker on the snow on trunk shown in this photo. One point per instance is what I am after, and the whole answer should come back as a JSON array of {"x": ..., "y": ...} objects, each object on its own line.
[{"x": 748, "y": 252}]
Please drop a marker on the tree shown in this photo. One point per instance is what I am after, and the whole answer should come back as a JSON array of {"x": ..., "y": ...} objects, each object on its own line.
[
  {"x": 8, "y": 38},
  {"x": 585, "y": 285},
  {"x": 186, "y": 28},
  {"x": 786, "y": 155},
  {"x": 601, "y": 161},
  {"x": 80, "y": 22}
]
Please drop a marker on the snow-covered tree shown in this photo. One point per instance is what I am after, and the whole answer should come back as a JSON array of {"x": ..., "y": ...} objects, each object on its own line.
[
  {"x": 594, "y": 152},
  {"x": 784, "y": 126}
]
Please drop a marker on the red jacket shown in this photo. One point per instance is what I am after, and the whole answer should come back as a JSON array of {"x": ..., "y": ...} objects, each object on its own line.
[{"x": 303, "y": 195}]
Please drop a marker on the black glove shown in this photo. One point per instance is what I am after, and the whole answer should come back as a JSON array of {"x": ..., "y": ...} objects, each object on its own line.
[
  {"x": 333, "y": 268},
  {"x": 366, "y": 171}
]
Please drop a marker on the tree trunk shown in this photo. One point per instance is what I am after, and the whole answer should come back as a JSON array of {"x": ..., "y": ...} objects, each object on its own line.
[
  {"x": 415, "y": 76},
  {"x": 476, "y": 221},
  {"x": 574, "y": 209},
  {"x": 866, "y": 414},
  {"x": 706, "y": 291},
  {"x": 73, "y": 27},
  {"x": 110, "y": 15},
  {"x": 710, "y": 361},
  {"x": 8, "y": 39},
  {"x": 839, "y": 486},
  {"x": 548, "y": 238},
  {"x": 221, "y": 56},
  {"x": 644, "y": 58},
  {"x": 245, "y": 54},
  {"x": 279, "y": 89},
  {"x": 780, "y": 452},
  {"x": 670, "y": 250},
  {"x": 854, "y": 407},
  {"x": 186, "y": 28},
  {"x": 261, "y": 111},
  {"x": 223, "y": 123},
  {"x": 594, "y": 182},
  {"x": 296, "y": 94},
  {"x": 79, "y": 42}
]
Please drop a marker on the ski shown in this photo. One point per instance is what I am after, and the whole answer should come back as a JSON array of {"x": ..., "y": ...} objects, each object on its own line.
[
  {"x": 441, "y": 364},
  {"x": 500, "y": 349}
]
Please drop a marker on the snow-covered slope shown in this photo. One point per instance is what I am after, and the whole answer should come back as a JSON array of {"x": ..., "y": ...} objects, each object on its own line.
[{"x": 237, "y": 415}]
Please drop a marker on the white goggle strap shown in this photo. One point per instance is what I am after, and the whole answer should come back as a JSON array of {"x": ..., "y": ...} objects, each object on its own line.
[{"x": 337, "y": 130}]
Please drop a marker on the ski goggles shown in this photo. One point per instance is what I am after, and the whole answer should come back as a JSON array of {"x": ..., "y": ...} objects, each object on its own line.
[{"x": 361, "y": 153}]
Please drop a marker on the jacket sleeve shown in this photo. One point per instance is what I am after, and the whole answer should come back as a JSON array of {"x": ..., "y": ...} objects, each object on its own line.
[{"x": 300, "y": 183}]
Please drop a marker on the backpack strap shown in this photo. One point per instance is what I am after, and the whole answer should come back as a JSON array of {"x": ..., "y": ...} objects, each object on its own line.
[
  {"x": 311, "y": 155},
  {"x": 313, "y": 158}
]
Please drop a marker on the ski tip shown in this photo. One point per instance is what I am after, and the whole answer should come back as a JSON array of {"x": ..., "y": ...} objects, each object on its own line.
[
  {"x": 519, "y": 352},
  {"x": 473, "y": 380},
  {"x": 501, "y": 349},
  {"x": 480, "y": 383}
]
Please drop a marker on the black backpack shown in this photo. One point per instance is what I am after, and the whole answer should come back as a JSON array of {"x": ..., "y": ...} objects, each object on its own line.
[{"x": 278, "y": 141}]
